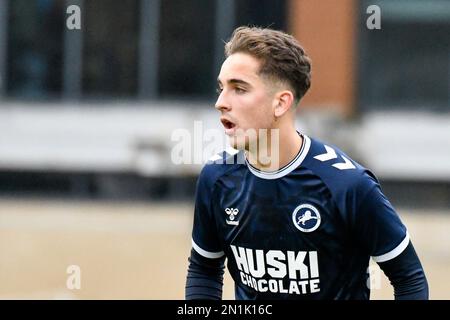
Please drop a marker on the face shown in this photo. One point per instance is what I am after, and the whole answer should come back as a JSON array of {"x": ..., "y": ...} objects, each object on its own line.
[{"x": 246, "y": 101}]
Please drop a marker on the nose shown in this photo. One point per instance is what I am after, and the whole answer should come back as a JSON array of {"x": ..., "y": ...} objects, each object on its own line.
[{"x": 221, "y": 103}]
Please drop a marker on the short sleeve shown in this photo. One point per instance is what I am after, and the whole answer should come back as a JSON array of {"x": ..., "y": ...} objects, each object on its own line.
[
  {"x": 204, "y": 233},
  {"x": 378, "y": 227}
]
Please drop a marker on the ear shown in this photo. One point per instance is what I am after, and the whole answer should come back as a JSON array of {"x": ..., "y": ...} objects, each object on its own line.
[{"x": 284, "y": 101}]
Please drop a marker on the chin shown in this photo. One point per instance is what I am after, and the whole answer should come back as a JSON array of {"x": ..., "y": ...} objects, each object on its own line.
[{"x": 240, "y": 142}]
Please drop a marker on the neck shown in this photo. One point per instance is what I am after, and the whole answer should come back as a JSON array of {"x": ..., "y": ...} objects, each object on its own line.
[{"x": 278, "y": 151}]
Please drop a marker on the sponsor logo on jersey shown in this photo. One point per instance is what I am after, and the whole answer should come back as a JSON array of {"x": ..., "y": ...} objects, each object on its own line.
[
  {"x": 306, "y": 218},
  {"x": 276, "y": 271},
  {"x": 232, "y": 212}
]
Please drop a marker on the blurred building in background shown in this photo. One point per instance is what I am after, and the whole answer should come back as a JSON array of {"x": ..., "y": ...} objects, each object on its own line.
[{"x": 90, "y": 113}]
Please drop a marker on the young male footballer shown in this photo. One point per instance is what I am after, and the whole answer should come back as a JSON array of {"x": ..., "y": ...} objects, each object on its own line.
[{"x": 306, "y": 228}]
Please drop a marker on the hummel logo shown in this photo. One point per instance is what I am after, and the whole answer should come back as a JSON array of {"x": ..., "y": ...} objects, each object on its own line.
[{"x": 232, "y": 212}]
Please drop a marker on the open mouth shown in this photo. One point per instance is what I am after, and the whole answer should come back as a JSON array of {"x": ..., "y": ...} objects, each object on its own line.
[{"x": 227, "y": 124}]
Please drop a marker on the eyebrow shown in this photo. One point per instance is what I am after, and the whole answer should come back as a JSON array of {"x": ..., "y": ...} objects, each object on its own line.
[{"x": 235, "y": 81}]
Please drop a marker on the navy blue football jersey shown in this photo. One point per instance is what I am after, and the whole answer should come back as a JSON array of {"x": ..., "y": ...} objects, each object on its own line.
[{"x": 305, "y": 231}]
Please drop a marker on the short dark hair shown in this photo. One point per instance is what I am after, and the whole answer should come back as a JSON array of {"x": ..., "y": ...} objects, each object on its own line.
[{"x": 281, "y": 55}]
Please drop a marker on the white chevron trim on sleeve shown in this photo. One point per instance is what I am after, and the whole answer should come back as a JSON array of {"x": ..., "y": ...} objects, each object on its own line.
[
  {"x": 215, "y": 158},
  {"x": 344, "y": 166},
  {"x": 330, "y": 154},
  {"x": 231, "y": 151}
]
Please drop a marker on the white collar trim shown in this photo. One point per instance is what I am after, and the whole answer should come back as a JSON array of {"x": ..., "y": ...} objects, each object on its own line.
[{"x": 270, "y": 175}]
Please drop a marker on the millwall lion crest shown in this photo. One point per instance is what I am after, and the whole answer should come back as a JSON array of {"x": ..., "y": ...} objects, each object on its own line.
[{"x": 306, "y": 218}]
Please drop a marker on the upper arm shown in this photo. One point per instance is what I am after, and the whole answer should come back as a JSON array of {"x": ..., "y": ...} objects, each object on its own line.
[
  {"x": 384, "y": 237},
  {"x": 205, "y": 240},
  {"x": 377, "y": 226}
]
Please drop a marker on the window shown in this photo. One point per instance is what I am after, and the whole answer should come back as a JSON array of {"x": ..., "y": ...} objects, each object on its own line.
[
  {"x": 406, "y": 64},
  {"x": 110, "y": 48},
  {"x": 35, "y": 48},
  {"x": 125, "y": 49},
  {"x": 186, "y": 48},
  {"x": 261, "y": 13}
]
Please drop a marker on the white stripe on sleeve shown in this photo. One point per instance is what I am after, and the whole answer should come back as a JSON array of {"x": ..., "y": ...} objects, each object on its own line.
[
  {"x": 207, "y": 254},
  {"x": 394, "y": 252}
]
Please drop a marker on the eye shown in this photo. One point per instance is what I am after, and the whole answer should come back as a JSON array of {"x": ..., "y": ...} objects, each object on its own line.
[
  {"x": 219, "y": 90},
  {"x": 239, "y": 90}
]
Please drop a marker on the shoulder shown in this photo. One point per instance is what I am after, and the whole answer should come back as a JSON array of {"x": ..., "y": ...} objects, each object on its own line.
[
  {"x": 220, "y": 165},
  {"x": 338, "y": 170}
]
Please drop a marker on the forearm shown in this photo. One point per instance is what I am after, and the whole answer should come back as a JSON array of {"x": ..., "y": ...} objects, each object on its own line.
[
  {"x": 204, "y": 278},
  {"x": 406, "y": 275}
]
